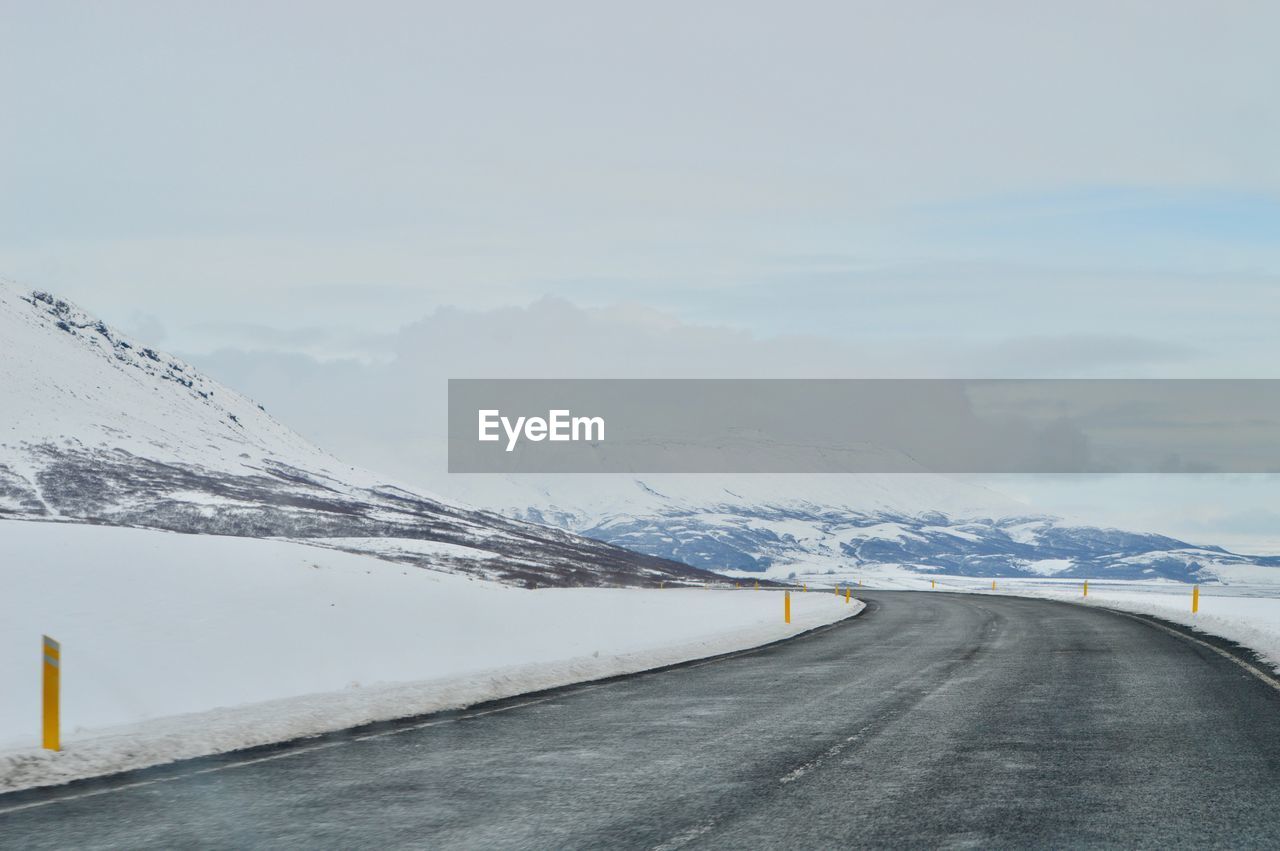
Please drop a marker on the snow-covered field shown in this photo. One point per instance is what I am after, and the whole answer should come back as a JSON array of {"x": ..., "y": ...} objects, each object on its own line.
[{"x": 180, "y": 645}]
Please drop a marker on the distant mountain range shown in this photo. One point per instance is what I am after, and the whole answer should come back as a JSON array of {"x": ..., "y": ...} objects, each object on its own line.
[
  {"x": 100, "y": 428},
  {"x": 798, "y": 526}
]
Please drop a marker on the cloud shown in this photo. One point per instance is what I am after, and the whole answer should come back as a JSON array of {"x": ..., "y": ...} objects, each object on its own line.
[
  {"x": 485, "y": 155},
  {"x": 146, "y": 326},
  {"x": 325, "y": 342},
  {"x": 390, "y": 414},
  {"x": 1209, "y": 509},
  {"x": 1077, "y": 355}
]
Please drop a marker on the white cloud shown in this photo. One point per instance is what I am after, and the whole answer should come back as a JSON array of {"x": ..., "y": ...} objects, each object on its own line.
[
  {"x": 389, "y": 414},
  {"x": 483, "y": 154}
]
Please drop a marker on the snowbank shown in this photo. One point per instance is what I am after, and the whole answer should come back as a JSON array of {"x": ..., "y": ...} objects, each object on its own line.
[
  {"x": 1246, "y": 614},
  {"x": 1243, "y": 607},
  {"x": 182, "y": 645}
]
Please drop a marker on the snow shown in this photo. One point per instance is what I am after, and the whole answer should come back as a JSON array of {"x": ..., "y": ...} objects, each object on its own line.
[
  {"x": 1028, "y": 532},
  {"x": 126, "y": 396},
  {"x": 1245, "y": 609},
  {"x": 582, "y": 502},
  {"x": 101, "y": 428},
  {"x": 954, "y": 532},
  {"x": 393, "y": 548},
  {"x": 72, "y": 382},
  {"x": 825, "y": 523},
  {"x": 876, "y": 532},
  {"x": 181, "y": 645},
  {"x": 1049, "y": 566},
  {"x": 1246, "y": 614}
]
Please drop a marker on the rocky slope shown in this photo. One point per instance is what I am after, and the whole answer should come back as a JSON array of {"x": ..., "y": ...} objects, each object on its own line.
[{"x": 97, "y": 427}]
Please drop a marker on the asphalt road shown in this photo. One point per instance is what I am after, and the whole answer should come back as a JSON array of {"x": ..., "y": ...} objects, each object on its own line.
[{"x": 932, "y": 719}]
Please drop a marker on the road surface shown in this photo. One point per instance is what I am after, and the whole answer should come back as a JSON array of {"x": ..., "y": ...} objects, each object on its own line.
[{"x": 932, "y": 719}]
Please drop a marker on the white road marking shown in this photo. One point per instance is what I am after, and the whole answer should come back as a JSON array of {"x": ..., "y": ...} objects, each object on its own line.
[
  {"x": 833, "y": 751},
  {"x": 684, "y": 837},
  {"x": 140, "y": 783},
  {"x": 284, "y": 755},
  {"x": 438, "y": 721},
  {"x": 1252, "y": 669}
]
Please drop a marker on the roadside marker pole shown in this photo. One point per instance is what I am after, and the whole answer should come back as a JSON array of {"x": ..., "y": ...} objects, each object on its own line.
[
  {"x": 933, "y": 583},
  {"x": 786, "y": 606},
  {"x": 846, "y": 595},
  {"x": 52, "y": 668},
  {"x": 1086, "y": 588},
  {"x": 1195, "y": 599}
]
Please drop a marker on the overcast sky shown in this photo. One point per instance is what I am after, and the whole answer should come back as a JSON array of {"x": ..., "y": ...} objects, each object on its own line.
[{"x": 978, "y": 189}]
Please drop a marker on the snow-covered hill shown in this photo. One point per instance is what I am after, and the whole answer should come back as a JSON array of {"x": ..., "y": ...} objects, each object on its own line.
[
  {"x": 812, "y": 526},
  {"x": 97, "y": 427}
]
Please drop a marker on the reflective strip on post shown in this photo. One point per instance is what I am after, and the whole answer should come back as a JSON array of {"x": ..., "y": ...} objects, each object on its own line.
[{"x": 52, "y": 668}]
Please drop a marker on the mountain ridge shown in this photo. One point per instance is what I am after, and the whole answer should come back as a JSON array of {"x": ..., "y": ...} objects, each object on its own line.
[
  {"x": 790, "y": 527},
  {"x": 100, "y": 428}
]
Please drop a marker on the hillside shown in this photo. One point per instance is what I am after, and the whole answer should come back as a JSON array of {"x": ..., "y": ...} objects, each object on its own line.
[{"x": 101, "y": 428}]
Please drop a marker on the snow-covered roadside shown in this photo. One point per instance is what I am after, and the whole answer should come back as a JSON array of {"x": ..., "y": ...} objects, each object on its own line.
[
  {"x": 177, "y": 645},
  {"x": 1246, "y": 614},
  {"x": 1244, "y": 607}
]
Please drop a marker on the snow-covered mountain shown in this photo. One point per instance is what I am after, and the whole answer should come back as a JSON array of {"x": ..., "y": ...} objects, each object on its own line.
[
  {"x": 97, "y": 427},
  {"x": 813, "y": 526}
]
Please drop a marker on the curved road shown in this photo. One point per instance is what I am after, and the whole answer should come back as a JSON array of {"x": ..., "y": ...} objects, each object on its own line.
[{"x": 931, "y": 719}]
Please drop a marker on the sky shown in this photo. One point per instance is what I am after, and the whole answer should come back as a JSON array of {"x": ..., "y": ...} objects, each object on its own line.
[{"x": 293, "y": 196}]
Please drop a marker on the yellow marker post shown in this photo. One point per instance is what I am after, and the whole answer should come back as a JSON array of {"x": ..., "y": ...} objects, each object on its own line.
[
  {"x": 52, "y": 667},
  {"x": 757, "y": 584},
  {"x": 786, "y": 606},
  {"x": 993, "y": 585},
  {"x": 804, "y": 587},
  {"x": 1195, "y": 599},
  {"x": 933, "y": 584},
  {"x": 1086, "y": 588},
  {"x": 846, "y": 595}
]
